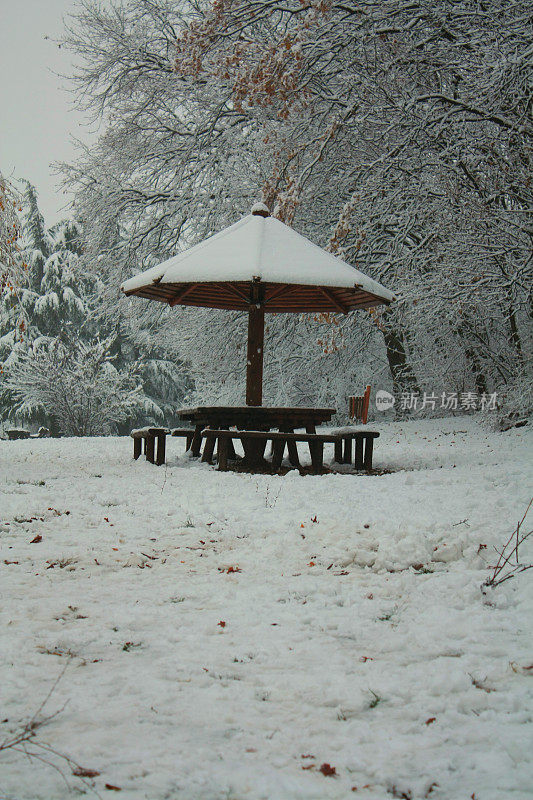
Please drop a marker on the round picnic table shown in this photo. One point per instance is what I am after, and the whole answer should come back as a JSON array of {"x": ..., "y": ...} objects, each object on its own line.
[{"x": 255, "y": 418}]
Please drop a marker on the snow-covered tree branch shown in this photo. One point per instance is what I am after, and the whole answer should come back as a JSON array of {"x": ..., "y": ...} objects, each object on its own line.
[{"x": 396, "y": 134}]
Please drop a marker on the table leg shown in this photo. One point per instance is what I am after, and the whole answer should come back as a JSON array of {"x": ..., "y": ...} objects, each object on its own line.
[
  {"x": 359, "y": 452},
  {"x": 368, "y": 452},
  {"x": 313, "y": 449},
  {"x": 278, "y": 448},
  {"x": 196, "y": 443},
  {"x": 254, "y": 453},
  {"x": 232, "y": 455},
  {"x": 292, "y": 447}
]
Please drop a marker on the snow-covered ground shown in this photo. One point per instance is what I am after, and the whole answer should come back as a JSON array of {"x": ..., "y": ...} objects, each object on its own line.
[{"x": 226, "y": 635}]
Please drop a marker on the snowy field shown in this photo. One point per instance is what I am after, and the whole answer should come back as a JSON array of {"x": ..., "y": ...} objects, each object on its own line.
[{"x": 223, "y": 636}]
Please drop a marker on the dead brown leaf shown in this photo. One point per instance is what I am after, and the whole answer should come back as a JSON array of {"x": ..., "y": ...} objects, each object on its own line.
[{"x": 82, "y": 772}]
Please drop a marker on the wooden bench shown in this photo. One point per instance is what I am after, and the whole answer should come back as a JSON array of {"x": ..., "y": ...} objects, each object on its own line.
[
  {"x": 185, "y": 433},
  {"x": 364, "y": 447},
  {"x": 343, "y": 446},
  {"x": 151, "y": 436},
  {"x": 21, "y": 433}
]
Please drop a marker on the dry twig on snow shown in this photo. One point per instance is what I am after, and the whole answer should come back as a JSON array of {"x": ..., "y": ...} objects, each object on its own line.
[
  {"x": 25, "y": 740},
  {"x": 508, "y": 564}
]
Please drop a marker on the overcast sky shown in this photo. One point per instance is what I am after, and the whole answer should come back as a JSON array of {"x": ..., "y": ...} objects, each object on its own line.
[{"x": 37, "y": 120}]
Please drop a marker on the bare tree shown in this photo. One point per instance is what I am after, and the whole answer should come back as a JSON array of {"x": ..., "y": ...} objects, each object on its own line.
[{"x": 396, "y": 134}]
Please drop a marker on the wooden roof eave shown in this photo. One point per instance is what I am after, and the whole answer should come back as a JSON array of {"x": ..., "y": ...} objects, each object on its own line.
[{"x": 279, "y": 298}]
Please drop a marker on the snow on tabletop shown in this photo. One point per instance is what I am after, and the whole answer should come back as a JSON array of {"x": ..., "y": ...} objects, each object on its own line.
[
  {"x": 258, "y": 247},
  {"x": 227, "y": 635}
]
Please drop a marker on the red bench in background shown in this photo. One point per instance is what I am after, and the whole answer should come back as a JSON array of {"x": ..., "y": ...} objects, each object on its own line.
[{"x": 358, "y": 406}]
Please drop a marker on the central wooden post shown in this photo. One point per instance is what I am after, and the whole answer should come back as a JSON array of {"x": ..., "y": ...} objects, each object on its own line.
[{"x": 256, "y": 335}]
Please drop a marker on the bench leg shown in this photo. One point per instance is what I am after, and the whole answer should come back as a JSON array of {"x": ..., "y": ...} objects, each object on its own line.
[
  {"x": 196, "y": 443},
  {"x": 278, "y": 448},
  {"x": 209, "y": 449},
  {"x": 368, "y": 452},
  {"x": 317, "y": 457},
  {"x": 161, "y": 447},
  {"x": 359, "y": 452},
  {"x": 137, "y": 446},
  {"x": 188, "y": 441},
  {"x": 347, "y": 458},
  {"x": 149, "y": 448},
  {"x": 338, "y": 451},
  {"x": 222, "y": 452}
]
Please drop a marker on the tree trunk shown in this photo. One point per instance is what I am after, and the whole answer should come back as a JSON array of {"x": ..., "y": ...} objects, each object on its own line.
[
  {"x": 403, "y": 377},
  {"x": 515, "y": 336}
]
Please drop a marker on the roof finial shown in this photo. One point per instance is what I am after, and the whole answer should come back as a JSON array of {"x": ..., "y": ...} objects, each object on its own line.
[{"x": 260, "y": 210}]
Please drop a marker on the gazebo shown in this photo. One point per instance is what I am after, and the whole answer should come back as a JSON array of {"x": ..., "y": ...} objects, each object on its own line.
[{"x": 259, "y": 265}]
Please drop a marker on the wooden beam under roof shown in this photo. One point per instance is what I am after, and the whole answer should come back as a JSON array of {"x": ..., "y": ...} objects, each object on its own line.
[{"x": 178, "y": 298}]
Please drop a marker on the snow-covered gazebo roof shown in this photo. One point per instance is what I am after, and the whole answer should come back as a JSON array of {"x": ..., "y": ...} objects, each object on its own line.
[{"x": 294, "y": 274}]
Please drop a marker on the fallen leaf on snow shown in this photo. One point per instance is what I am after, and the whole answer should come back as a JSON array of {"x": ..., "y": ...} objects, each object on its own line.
[
  {"x": 37, "y": 539},
  {"x": 521, "y": 670},
  {"x": 81, "y": 772},
  {"x": 327, "y": 770}
]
